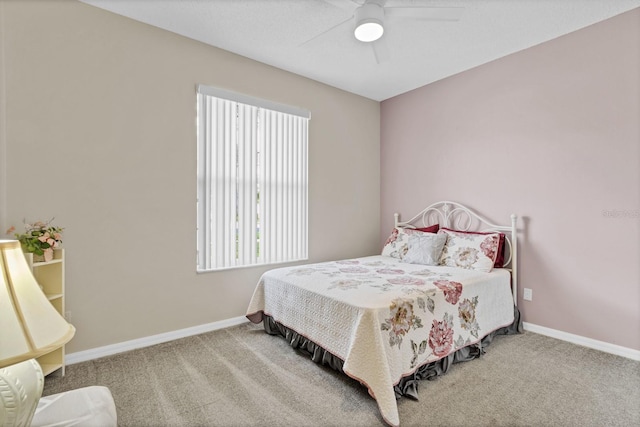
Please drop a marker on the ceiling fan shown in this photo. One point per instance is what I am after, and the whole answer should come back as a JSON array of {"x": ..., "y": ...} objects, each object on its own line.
[{"x": 370, "y": 16}]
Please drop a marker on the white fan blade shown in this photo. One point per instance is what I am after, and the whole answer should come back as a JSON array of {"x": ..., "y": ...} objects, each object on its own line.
[
  {"x": 381, "y": 50},
  {"x": 425, "y": 13},
  {"x": 346, "y": 21},
  {"x": 343, "y": 4}
]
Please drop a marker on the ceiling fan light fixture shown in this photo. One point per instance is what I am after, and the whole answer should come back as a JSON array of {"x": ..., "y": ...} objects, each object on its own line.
[
  {"x": 369, "y": 31},
  {"x": 369, "y": 19}
]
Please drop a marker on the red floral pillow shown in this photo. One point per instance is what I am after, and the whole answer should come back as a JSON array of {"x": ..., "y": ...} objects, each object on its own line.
[
  {"x": 470, "y": 250},
  {"x": 430, "y": 229},
  {"x": 500, "y": 257}
]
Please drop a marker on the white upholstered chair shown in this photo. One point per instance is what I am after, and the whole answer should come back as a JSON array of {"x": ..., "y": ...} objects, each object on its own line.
[
  {"x": 21, "y": 386},
  {"x": 88, "y": 406}
]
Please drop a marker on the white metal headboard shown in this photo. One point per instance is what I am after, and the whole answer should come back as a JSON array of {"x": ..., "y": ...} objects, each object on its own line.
[{"x": 458, "y": 217}]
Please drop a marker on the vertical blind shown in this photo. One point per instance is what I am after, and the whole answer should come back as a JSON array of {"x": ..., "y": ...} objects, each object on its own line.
[{"x": 252, "y": 181}]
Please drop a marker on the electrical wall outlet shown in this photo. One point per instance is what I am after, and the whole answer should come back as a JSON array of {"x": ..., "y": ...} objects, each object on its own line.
[{"x": 527, "y": 295}]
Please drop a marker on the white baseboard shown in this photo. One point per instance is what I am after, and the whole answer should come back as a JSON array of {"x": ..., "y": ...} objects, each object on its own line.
[
  {"x": 108, "y": 350},
  {"x": 629, "y": 353}
]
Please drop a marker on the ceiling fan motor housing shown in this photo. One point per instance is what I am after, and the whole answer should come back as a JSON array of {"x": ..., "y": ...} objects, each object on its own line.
[{"x": 369, "y": 19}]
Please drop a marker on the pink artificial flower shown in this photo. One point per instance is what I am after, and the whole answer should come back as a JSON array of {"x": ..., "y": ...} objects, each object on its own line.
[
  {"x": 10, "y": 230},
  {"x": 57, "y": 236},
  {"x": 44, "y": 237}
]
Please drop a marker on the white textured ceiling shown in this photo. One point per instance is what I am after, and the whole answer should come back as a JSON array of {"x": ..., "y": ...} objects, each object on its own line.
[{"x": 277, "y": 32}]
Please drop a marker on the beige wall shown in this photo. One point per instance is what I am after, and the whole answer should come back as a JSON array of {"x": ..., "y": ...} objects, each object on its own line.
[
  {"x": 100, "y": 134},
  {"x": 551, "y": 133}
]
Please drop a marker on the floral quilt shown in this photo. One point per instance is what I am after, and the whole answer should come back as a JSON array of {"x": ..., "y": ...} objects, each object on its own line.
[{"x": 385, "y": 318}]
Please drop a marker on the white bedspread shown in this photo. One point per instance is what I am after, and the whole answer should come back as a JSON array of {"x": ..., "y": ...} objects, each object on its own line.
[{"x": 385, "y": 318}]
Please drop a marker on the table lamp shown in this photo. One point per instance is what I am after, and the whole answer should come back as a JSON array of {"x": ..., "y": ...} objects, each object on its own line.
[{"x": 29, "y": 327}]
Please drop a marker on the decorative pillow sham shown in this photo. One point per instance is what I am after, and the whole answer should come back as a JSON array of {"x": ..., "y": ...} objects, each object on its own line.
[
  {"x": 397, "y": 243},
  {"x": 425, "y": 248},
  {"x": 470, "y": 250}
]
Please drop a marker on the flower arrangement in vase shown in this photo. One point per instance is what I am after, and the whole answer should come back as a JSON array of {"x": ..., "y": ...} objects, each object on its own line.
[{"x": 39, "y": 238}]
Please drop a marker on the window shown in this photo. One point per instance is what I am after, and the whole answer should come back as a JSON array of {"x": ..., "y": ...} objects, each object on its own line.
[{"x": 252, "y": 181}]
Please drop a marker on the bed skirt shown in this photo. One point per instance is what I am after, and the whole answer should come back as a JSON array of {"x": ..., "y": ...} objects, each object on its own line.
[{"x": 408, "y": 385}]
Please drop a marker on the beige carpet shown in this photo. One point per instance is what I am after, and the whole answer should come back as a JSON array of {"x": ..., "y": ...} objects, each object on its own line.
[{"x": 241, "y": 376}]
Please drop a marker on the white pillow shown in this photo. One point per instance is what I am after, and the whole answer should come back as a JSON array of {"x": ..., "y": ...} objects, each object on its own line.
[
  {"x": 397, "y": 244},
  {"x": 425, "y": 249},
  {"x": 470, "y": 250}
]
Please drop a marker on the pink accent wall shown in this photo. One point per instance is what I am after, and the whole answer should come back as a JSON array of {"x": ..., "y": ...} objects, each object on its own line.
[{"x": 552, "y": 134}]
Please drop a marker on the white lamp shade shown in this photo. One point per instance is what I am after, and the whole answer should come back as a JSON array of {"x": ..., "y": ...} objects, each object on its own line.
[{"x": 29, "y": 325}]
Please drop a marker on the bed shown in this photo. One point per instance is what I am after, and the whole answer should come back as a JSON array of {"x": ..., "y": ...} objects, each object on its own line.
[{"x": 443, "y": 287}]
